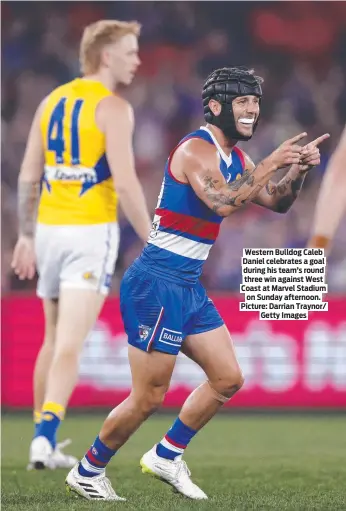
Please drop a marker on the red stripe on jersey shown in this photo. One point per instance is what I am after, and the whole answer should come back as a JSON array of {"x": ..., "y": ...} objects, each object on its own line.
[
  {"x": 189, "y": 224},
  {"x": 240, "y": 153},
  {"x": 181, "y": 446}
]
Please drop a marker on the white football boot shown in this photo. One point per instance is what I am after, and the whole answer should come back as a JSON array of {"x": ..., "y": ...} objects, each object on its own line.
[
  {"x": 40, "y": 453},
  {"x": 91, "y": 488},
  {"x": 174, "y": 473},
  {"x": 51, "y": 459},
  {"x": 61, "y": 460}
]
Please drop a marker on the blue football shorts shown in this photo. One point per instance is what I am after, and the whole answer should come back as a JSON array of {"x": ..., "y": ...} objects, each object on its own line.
[{"x": 159, "y": 314}]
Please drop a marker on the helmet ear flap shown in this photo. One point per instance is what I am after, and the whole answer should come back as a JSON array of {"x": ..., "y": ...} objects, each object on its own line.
[{"x": 208, "y": 116}]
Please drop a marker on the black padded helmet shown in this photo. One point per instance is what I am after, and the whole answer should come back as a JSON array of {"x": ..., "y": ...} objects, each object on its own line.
[{"x": 224, "y": 85}]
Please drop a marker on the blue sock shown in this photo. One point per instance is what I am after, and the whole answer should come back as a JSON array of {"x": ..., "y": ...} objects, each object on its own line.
[
  {"x": 48, "y": 427},
  {"x": 96, "y": 459},
  {"x": 51, "y": 417},
  {"x": 175, "y": 441},
  {"x": 37, "y": 427}
]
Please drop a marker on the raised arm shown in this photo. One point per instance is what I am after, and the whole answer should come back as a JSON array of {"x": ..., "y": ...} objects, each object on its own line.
[
  {"x": 280, "y": 197},
  {"x": 194, "y": 161},
  {"x": 115, "y": 118}
]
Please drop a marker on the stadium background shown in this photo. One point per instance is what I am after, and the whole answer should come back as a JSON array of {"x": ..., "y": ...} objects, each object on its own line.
[
  {"x": 285, "y": 363},
  {"x": 247, "y": 462}
]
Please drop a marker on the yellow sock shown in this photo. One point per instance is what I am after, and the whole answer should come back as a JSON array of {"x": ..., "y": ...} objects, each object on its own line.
[
  {"x": 37, "y": 416},
  {"x": 49, "y": 408}
]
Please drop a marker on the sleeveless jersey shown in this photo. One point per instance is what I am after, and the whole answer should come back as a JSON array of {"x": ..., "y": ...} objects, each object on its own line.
[
  {"x": 77, "y": 187},
  {"x": 184, "y": 228}
]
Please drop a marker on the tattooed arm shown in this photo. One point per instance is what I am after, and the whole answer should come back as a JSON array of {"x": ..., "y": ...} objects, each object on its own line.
[
  {"x": 29, "y": 179},
  {"x": 28, "y": 198},
  {"x": 23, "y": 261},
  {"x": 280, "y": 197},
  {"x": 195, "y": 163}
]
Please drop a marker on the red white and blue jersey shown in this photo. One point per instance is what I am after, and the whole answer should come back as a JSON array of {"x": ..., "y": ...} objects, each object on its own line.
[{"x": 184, "y": 228}]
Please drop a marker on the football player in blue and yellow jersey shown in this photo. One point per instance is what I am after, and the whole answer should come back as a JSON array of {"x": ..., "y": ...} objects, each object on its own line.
[{"x": 77, "y": 166}]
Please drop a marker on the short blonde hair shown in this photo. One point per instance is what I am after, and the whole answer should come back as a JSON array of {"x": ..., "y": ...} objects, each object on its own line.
[{"x": 97, "y": 35}]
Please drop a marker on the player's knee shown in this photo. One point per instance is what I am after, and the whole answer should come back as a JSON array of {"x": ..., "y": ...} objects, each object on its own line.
[
  {"x": 228, "y": 385},
  {"x": 66, "y": 352},
  {"x": 232, "y": 383},
  {"x": 151, "y": 400}
]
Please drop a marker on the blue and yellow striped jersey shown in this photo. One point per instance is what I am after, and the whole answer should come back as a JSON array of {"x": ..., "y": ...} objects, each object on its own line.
[{"x": 77, "y": 186}]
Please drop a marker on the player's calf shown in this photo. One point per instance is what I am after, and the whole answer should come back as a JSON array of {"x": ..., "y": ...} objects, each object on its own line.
[{"x": 129, "y": 415}]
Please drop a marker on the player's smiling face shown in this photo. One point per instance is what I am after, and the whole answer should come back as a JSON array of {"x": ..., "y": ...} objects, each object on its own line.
[
  {"x": 246, "y": 111},
  {"x": 122, "y": 58}
]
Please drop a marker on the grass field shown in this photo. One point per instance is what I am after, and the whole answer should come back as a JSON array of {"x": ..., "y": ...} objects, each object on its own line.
[{"x": 242, "y": 463}]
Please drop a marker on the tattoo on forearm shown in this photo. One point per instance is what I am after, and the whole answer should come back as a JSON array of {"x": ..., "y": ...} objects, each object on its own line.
[
  {"x": 271, "y": 188},
  {"x": 285, "y": 192},
  {"x": 246, "y": 179},
  {"x": 282, "y": 186},
  {"x": 288, "y": 190},
  {"x": 220, "y": 198},
  {"x": 28, "y": 199}
]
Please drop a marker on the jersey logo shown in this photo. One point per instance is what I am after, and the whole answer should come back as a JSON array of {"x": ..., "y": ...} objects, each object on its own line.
[
  {"x": 229, "y": 177},
  {"x": 89, "y": 275},
  {"x": 143, "y": 331},
  {"x": 154, "y": 227},
  {"x": 171, "y": 336},
  {"x": 87, "y": 177}
]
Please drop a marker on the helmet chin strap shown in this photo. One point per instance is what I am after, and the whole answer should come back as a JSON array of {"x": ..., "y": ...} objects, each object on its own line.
[{"x": 225, "y": 121}]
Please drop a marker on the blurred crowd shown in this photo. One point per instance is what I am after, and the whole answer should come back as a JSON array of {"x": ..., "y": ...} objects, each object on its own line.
[{"x": 181, "y": 42}]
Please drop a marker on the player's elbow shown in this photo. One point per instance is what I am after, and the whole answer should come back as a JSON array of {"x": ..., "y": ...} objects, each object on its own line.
[
  {"x": 125, "y": 187},
  {"x": 281, "y": 210},
  {"x": 28, "y": 174},
  {"x": 122, "y": 189},
  {"x": 223, "y": 211},
  {"x": 282, "y": 206}
]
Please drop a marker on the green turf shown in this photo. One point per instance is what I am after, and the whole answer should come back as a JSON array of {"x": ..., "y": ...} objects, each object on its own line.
[{"x": 242, "y": 463}]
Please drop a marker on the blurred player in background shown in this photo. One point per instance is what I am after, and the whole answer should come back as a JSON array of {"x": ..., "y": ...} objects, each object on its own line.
[
  {"x": 164, "y": 307},
  {"x": 331, "y": 201},
  {"x": 80, "y": 151}
]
